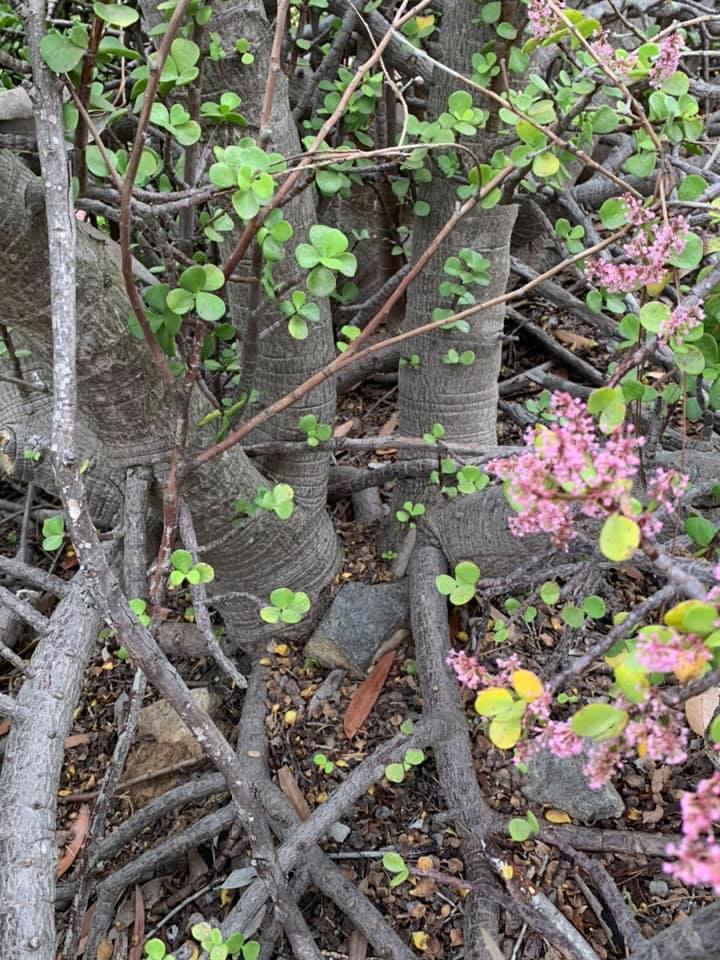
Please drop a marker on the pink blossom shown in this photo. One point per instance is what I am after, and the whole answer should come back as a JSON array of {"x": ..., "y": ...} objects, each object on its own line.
[
  {"x": 667, "y": 59},
  {"x": 567, "y": 469},
  {"x": 468, "y": 670},
  {"x": 680, "y": 322},
  {"x": 560, "y": 739},
  {"x": 667, "y": 651},
  {"x": 543, "y": 20},
  {"x": 698, "y": 852},
  {"x": 648, "y": 251}
]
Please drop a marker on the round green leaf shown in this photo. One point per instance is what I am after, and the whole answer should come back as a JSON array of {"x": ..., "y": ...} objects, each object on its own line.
[
  {"x": 599, "y": 721},
  {"x": 519, "y": 829},
  {"x": 550, "y": 592},
  {"x": 116, "y": 14},
  {"x": 700, "y": 530},
  {"x": 545, "y": 165},
  {"x": 690, "y": 255},
  {"x": 209, "y": 307},
  {"x": 180, "y": 301},
  {"x": 613, "y": 214},
  {"x": 395, "y": 772},
  {"x": 594, "y": 607},
  {"x": 467, "y": 572},
  {"x": 193, "y": 279},
  {"x": 59, "y": 52},
  {"x": 692, "y": 187},
  {"x": 321, "y": 282}
]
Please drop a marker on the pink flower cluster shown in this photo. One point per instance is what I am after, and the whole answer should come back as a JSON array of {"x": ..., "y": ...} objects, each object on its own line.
[
  {"x": 665, "y": 488},
  {"x": 654, "y": 731},
  {"x": 565, "y": 470},
  {"x": 681, "y": 321},
  {"x": 604, "y": 53},
  {"x": 667, "y": 59},
  {"x": 698, "y": 852},
  {"x": 648, "y": 252},
  {"x": 543, "y": 20},
  {"x": 668, "y": 651}
]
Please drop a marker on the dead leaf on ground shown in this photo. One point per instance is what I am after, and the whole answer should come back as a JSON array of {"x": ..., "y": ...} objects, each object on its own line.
[
  {"x": 79, "y": 831},
  {"x": 77, "y": 740},
  {"x": 366, "y": 694},
  {"x": 357, "y": 946},
  {"x": 557, "y": 816},
  {"x": 289, "y": 786},
  {"x": 343, "y": 429},
  {"x": 105, "y": 950},
  {"x": 575, "y": 339},
  {"x": 701, "y": 709},
  {"x": 138, "y": 934},
  {"x": 4, "y": 727},
  {"x": 390, "y": 425}
]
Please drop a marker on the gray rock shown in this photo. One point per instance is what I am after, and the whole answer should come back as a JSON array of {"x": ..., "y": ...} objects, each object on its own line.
[
  {"x": 658, "y": 888},
  {"x": 561, "y": 783},
  {"x": 361, "y": 619}
]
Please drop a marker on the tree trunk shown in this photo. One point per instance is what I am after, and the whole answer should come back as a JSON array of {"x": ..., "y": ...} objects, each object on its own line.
[{"x": 131, "y": 414}]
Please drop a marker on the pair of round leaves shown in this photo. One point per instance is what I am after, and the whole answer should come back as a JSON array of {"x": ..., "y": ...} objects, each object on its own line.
[{"x": 194, "y": 292}]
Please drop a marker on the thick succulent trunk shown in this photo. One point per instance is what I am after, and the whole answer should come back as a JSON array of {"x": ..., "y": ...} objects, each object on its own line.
[
  {"x": 130, "y": 414},
  {"x": 281, "y": 362},
  {"x": 462, "y": 398}
]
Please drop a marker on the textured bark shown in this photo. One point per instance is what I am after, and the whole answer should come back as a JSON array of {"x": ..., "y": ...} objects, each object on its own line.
[
  {"x": 282, "y": 362},
  {"x": 696, "y": 938},
  {"x": 131, "y": 415},
  {"x": 28, "y": 791},
  {"x": 462, "y": 398},
  {"x": 453, "y": 757}
]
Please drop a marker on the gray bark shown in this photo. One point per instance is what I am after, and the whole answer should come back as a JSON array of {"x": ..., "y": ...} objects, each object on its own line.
[
  {"x": 131, "y": 414},
  {"x": 28, "y": 790},
  {"x": 282, "y": 362},
  {"x": 462, "y": 398}
]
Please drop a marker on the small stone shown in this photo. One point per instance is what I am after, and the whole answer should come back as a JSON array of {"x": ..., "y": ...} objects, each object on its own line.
[
  {"x": 555, "y": 782},
  {"x": 658, "y": 888},
  {"x": 361, "y": 619},
  {"x": 339, "y": 832}
]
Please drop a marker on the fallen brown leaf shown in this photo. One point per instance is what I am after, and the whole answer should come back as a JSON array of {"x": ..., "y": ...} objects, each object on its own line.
[
  {"x": 575, "y": 339},
  {"x": 138, "y": 935},
  {"x": 343, "y": 429},
  {"x": 366, "y": 694},
  {"x": 79, "y": 831},
  {"x": 76, "y": 740},
  {"x": 289, "y": 786},
  {"x": 357, "y": 946},
  {"x": 4, "y": 727},
  {"x": 105, "y": 950},
  {"x": 390, "y": 425},
  {"x": 701, "y": 709}
]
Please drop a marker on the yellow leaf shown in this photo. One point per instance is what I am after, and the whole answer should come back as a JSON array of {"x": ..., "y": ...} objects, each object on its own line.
[
  {"x": 420, "y": 940},
  {"x": 505, "y": 733},
  {"x": 425, "y": 863},
  {"x": 492, "y": 701},
  {"x": 557, "y": 816},
  {"x": 507, "y": 871},
  {"x": 226, "y": 897},
  {"x": 290, "y": 717},
  {"x": 265, "y": 662},
  {"x": 423, "y": 22},
  {"x": 282, "y": 650},
  {"x": 634, "y": 814},
  {"x": 527, "y": 684}
]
